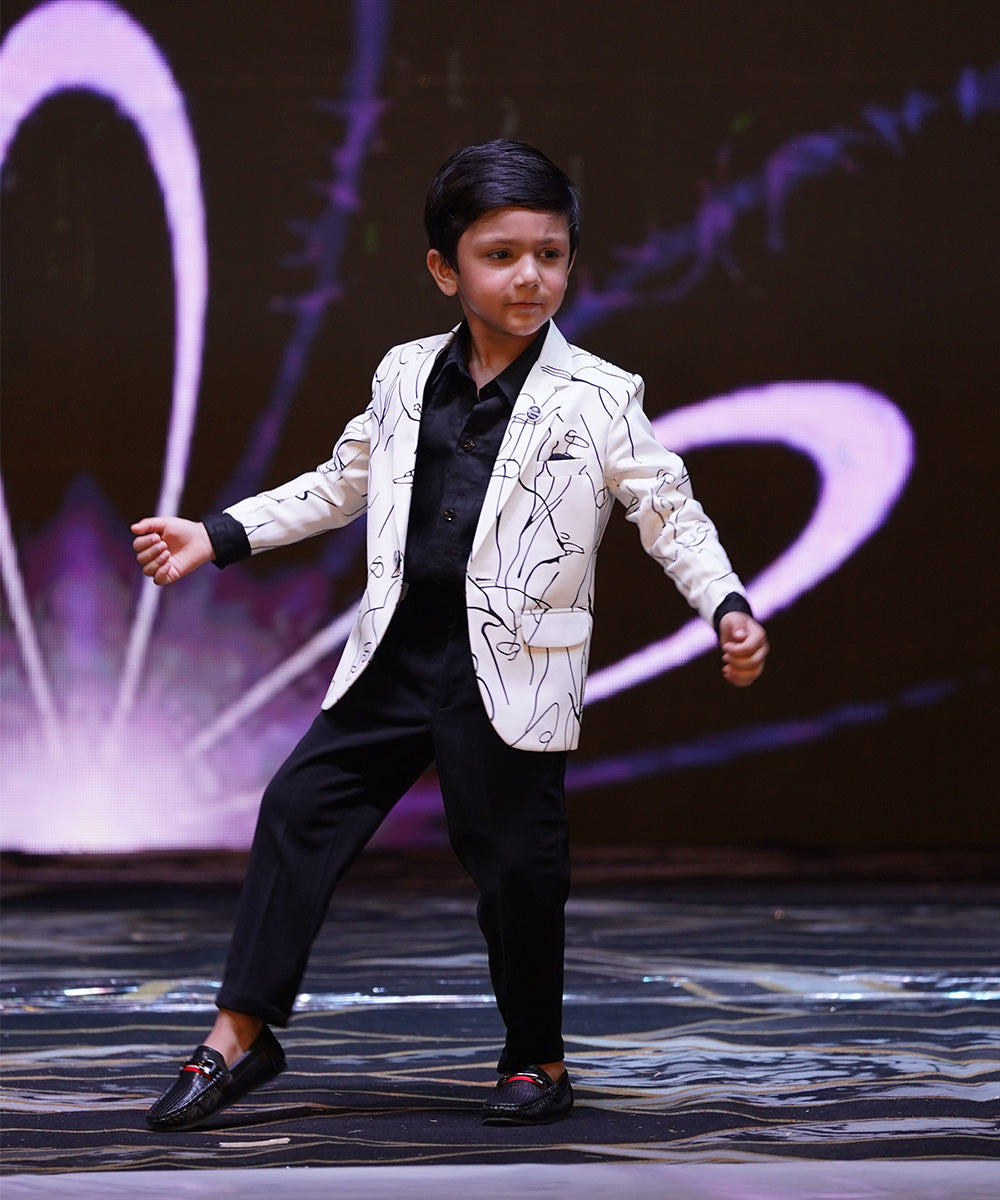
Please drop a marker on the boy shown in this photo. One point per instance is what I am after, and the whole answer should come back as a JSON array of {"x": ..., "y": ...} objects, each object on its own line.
[{"x": 487, "y": 461}]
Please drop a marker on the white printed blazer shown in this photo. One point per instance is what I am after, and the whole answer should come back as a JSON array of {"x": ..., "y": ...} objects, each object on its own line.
[{"x": 577, "y": 440}]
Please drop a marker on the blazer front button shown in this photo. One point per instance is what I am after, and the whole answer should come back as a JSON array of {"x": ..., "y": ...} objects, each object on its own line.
[{"x": 449, "y": 514}]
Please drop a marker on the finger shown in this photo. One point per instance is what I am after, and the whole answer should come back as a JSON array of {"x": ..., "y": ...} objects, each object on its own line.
[
  {"x": 745, "y": 670},
  {"x": 152, "y": 564},
  {"x": 746, "y": 655},
  {"x": 754, "y": 649},
  {"x": 150, "y": 553},
  {"x": 748, "y": 673},
  {"x": 750, "y": 666},
  {"x": 741, "y": 679},
  {"x": 148, "y": 525},
  {"x": 746, "y": 638}
]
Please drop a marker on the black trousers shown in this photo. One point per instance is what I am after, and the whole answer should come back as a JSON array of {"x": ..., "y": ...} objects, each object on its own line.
[{"x": 415, "y": 703}]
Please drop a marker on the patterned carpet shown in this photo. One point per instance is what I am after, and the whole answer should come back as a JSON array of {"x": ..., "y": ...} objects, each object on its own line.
[{"x": 740, "y": 1013}]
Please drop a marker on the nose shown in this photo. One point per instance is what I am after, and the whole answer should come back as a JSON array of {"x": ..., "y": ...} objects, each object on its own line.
[{"x": 527, "y": 272}]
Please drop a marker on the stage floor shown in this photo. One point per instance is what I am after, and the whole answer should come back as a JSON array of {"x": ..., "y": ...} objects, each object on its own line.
[{"x": 731, "y": 1032}]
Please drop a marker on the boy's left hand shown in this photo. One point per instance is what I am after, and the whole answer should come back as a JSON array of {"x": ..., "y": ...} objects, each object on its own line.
[{"x": 744, "y": 648}]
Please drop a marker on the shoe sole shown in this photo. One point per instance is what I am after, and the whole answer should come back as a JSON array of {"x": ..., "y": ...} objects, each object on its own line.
[{"x": 525, "y": 1120}]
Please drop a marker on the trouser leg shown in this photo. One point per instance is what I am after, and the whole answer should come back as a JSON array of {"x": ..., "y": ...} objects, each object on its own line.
[
  {"x": 507, "y": 822},
  {"x": 317, "y": 814}
]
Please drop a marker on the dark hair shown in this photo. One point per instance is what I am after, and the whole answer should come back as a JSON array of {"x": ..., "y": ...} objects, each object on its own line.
[{"x": 497, "y": 174}]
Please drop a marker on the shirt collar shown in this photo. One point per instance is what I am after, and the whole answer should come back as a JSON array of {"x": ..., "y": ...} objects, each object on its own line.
[{"x": 512, "y": 378}]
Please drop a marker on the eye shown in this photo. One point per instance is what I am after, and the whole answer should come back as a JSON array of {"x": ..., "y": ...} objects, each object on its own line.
[{"x": 498, "y": 254}]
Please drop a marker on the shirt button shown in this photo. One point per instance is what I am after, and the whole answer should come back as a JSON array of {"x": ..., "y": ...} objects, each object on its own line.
[
  {"x": 449, "y": 514},
  {"x": 469, "y": 445}
]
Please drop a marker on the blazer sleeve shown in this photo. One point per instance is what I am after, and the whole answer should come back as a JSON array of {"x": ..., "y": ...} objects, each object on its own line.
[
  {"x": 652, "y": 483},
  {"x": 327, "y": 498}
]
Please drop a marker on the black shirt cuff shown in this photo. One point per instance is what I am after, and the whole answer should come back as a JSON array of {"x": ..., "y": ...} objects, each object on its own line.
[
  {"x": 229, "y": 539},
  {"x": 734, "y": 602}
]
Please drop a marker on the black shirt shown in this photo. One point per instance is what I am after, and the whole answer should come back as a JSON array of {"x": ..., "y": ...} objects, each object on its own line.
[{"x": 460, "y": 434}]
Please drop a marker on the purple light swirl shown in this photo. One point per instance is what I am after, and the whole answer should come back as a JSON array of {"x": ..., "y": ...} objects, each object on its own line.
[
  {"x": 862, "y": 447},
  {"x": 94, "y": 46}
]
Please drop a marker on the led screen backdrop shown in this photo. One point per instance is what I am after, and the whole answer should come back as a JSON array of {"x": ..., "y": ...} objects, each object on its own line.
[{"x": 211, "y": 234}]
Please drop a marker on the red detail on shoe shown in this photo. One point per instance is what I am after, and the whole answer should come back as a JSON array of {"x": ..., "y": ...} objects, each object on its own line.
[
  {"x": 525, "y": 1079},
  {"x": 206, "y": 1071}
]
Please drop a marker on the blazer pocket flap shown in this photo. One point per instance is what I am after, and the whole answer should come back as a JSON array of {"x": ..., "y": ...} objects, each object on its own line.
[
  {"x": 552, "y": 628},
  {"x": 564, "y": 466}
]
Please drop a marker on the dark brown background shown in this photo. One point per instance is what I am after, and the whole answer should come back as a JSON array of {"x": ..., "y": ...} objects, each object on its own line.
[{"x": 888, "y": 277}]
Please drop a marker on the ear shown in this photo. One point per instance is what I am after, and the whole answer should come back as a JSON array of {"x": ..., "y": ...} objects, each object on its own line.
[{"x": 444, "y": 275}]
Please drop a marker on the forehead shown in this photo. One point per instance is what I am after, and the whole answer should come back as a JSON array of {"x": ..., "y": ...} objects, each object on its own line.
[{"x": 518, "y": 225}]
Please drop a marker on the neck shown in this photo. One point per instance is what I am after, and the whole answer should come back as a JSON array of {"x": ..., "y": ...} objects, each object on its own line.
[{"x": 489, "y": 357}]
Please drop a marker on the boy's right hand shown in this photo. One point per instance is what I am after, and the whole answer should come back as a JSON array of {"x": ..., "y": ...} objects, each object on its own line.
[{"x": 168, "y": 548}]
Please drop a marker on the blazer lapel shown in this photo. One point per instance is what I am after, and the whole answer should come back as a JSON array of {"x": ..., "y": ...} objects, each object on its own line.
[
  {"x": 410, "y": 382},
  {"x": 529, "y": 425}
]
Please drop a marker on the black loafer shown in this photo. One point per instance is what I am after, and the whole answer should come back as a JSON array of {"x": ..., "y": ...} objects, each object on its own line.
[
  {"x": 206, "y": 1084},
  {"x": 529, "y": 1097}
]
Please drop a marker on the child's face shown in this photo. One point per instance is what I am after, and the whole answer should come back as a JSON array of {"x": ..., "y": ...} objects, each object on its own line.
[{"x": 512, "y": 270}]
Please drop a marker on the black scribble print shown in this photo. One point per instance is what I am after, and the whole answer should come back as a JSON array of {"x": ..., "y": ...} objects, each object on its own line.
[{"x": 577, "y": 439}]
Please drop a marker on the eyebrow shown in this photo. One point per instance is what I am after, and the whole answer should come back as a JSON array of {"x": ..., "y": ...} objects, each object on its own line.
[{"x": 498, "y": 240}]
